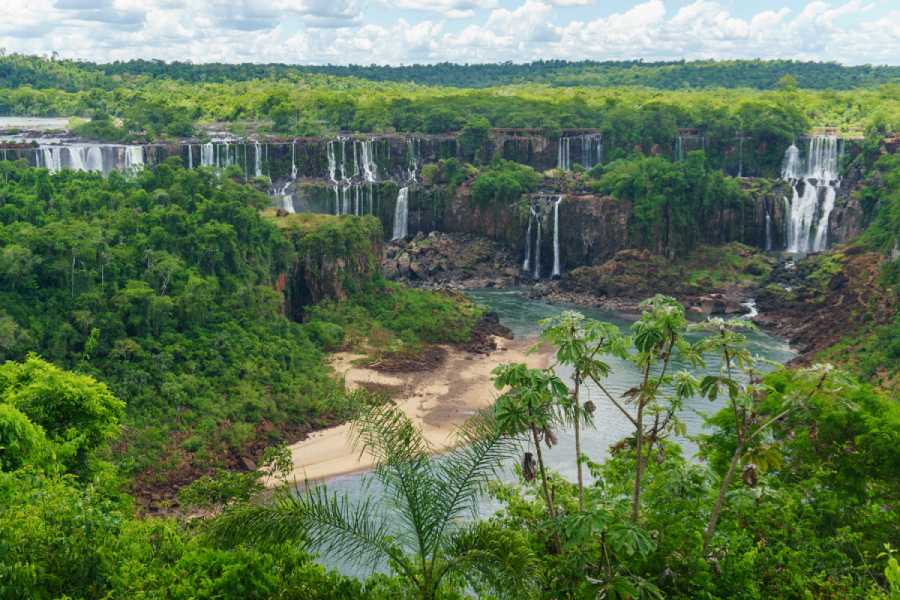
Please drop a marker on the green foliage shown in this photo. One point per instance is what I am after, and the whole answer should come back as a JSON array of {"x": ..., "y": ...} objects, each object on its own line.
[
  {"x": 674, "y": 204},
  {"x": 880, "y": 199},
  {"x": 473, "y": 136},
  {"x": 21, "y": 441},
  {"x": 19, "y": 70},
  {"x": 100, "y": 127},
  {"x": 77, "y": 414},
  {"x": 447, "y": 171},
  {"x": 424, "y": 542},
  {"x": 385, "y": 316},
  {"x": 503, "y": 184},
  {"x": 60, "y": 540},
  {"x": 161, "y": 285}
]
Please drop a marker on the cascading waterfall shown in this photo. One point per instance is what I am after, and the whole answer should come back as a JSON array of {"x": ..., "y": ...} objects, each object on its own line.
[
  {"x": 814, "y": 192},
  {"x": 134, "y": 158},
  {"x": 679, "y": 148},
  {"x": 257, "y": 159},
  {"x": 370, "y": 168},
  {"x": 590, "y": 151},
  {"x": 356, "y": 162},
  {"x": 208, "y": 155},
  {"x": 563, "y": 158},
  {"x": 556, "y": 269},
  {"x": 401, "y": 213},
  {"x": 100, "y": 158},
  {"x": 741, "y": 157},
  {"x": 537, "y": 249},
  {"x": 413, "y": 149},
  {"x": 51, "y": 158},
  {"x": 768, "y": 226},
  {"x": 526, "y": 264}
]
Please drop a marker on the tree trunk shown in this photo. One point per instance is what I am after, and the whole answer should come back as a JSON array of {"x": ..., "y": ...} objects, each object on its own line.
[
  {"x": 578, "y": 446},
  {"x": 540, "y": 457},
  {"x": 720, "y": 501},
  {"x": 639, "y": 463}
]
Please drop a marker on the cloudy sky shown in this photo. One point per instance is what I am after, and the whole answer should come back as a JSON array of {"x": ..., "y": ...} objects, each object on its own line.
[{"x": 411, "y": 31}]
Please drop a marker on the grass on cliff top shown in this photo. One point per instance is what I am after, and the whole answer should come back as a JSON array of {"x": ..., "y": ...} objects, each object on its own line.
[
  {"x": 301, "y": 222},
  {"x": 716, "y": 266}
]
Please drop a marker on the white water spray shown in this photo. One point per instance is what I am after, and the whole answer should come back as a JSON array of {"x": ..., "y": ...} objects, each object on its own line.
[
  {"x": 556, "y": 269},
  {"x": 401, "y": 213},
  {"x": 814, "y": 191}
]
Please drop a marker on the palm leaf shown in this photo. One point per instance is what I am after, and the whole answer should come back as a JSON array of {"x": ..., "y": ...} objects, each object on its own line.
[
  {"x": 315, "y": 519},
  {"x": 404, "y": 467},
  {"x": 463, "y": 474}
]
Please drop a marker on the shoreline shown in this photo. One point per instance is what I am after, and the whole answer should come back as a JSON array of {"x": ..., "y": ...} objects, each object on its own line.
[{"x": 437, "y": 401}]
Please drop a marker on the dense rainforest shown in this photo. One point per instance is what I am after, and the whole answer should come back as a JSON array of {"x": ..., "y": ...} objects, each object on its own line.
[
  {"x": 164, "y": 105},
  {"x": 165, "y": 333},
  {"x": 19, "y": 70}
]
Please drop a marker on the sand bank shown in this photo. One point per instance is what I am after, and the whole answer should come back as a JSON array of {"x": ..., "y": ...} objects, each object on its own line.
[{"x": 437, "y": 401}]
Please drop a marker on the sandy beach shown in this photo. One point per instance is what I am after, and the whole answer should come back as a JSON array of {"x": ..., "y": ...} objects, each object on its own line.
[{"x": 437, "y": 401}]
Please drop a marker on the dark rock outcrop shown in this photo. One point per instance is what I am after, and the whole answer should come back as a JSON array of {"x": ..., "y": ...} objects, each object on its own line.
[{"x": 457, "y": 260}]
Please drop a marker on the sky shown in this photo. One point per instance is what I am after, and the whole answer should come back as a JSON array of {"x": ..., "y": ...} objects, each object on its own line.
[{"x": 427, "y": 31}]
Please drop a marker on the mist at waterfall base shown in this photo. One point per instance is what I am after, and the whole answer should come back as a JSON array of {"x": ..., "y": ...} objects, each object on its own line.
[
  {"x": 522, "y": 315},
  {"x": 814, "y": 182}
]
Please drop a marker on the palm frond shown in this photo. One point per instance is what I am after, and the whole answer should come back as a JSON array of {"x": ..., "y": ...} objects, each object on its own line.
[
  {"x": 463, "y": 474},
  {"x": 317, "y": 520},
  {"x": 404, "y": 467},
  {"x": 386, "y": 433}
]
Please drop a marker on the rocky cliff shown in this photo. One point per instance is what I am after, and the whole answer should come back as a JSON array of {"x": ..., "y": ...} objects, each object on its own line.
[{"x": 333, "y": 257}]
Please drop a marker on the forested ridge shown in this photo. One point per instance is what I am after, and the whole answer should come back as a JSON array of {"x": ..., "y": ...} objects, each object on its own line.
[
  {"x": 159, "y": 105},
  {"x": 73, "y": 75},
  {"x": 164, "y": 286}
]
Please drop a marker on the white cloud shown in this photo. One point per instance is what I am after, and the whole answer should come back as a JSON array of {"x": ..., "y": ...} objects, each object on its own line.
[{"x": 357, "y": 31}]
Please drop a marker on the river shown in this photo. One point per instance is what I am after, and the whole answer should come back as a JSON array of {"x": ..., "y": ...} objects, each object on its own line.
[{"x": 522, "y": 315}]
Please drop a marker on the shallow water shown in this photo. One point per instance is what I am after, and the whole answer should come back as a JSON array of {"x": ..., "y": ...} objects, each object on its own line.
[
  {"x": 522, "y": 315},
  {"x": 34, "y": 123}
]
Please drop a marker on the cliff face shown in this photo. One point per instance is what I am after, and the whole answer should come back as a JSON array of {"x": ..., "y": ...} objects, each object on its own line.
[
  {"x": 334, "y": 257},
  {"x": 397, "y": 154}
]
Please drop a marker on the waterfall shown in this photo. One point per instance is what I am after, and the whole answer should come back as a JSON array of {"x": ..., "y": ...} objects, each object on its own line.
[
  {"x": 208, "y": 155},
  {"x": 526, "y": 264},
  {"x": 332, "y": 161},
  {"x": 134, "y": 158},
  {"x": 563, "y": 162},
  {"x": 768, "y": 226},
  {"x": 287, "y": 199},
  {"x": 752, "y": 310},
  {"x": 412, "y": 148},
  {"x": 257, "y": 159},
  {"x": 741, "y": 158},
  {"x": 51, "y": 157},
  {"x": 401, "y": 213},
  {"x": 790, "y": 169},
  {"x": 190, "y": 150},
  {"x": 556, "y": 236},
  {"x": 679, "y": 148},
  {"x": 78, "y": 158},
  {"x": 590, "y": 150},
  {"x": 537, "y": 249},
  {"x": 370, "y": 168},
  {"x": 814, "y": 191}
]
